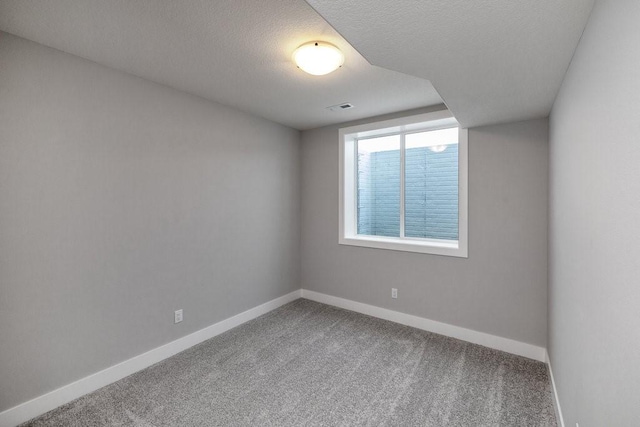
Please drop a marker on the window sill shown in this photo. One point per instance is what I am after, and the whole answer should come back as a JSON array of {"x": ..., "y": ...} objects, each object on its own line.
[{"x": 434, "y": 247}]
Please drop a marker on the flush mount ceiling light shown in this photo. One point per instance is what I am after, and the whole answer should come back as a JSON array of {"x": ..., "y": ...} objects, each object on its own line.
[{"x": 318, "y": 58}]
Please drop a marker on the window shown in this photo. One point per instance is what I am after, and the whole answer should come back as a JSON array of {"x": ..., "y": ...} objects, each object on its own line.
[{"x": 403, "y": 185}]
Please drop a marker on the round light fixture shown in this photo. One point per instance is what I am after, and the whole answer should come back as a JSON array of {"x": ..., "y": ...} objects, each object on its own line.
[{"x": 318, "y": 58}]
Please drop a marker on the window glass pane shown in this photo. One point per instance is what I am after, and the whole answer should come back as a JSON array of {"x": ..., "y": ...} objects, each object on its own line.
[
  {"x": 379, "y": 186},
  {"x": 431, "y": 184}
]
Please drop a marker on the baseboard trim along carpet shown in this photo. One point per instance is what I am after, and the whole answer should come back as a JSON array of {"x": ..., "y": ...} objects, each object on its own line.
[
  {"x": 556, "y": 400},
  {"x": 42, "y": 404},
  {"x": 492, "y": 341},
  {"x": 38, "y": 406},
  {"x": 313, "y": 364}
]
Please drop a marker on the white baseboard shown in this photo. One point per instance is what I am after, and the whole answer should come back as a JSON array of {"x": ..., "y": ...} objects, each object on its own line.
[
  {"x": 38, "y": 406},
  {"x": 499, "y": 343},
  {"x": 556, "y": 400}
]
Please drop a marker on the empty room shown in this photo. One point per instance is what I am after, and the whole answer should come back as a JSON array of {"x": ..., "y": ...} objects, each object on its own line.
[{"x": 319, "y": 213}]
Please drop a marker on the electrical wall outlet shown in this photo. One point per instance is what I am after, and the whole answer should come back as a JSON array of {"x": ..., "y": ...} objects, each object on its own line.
[
  {"x": 394, "y": 293},
  {"x": 177, "y": 316}
]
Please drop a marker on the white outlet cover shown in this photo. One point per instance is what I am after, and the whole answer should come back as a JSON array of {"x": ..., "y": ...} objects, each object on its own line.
[{"x": 177, "y": 316}]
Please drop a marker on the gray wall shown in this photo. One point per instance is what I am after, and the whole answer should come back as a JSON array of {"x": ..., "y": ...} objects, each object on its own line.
[
  {"x": 594, "y": 327},
  {"x": 500, "y": 289},
  {"x": 121, "y": 201}
]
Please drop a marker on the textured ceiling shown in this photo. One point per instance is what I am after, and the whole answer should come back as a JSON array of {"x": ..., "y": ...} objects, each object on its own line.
[
  {"x": 492, "y": 61},
  {"x": 236, "y": 52}
]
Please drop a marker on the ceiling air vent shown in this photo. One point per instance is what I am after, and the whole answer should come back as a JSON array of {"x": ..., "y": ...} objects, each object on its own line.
[{"x": 340, "y": 107}]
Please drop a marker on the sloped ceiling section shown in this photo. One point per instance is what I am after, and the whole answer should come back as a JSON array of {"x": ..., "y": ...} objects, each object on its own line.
[{"x": 492, "y": 61}]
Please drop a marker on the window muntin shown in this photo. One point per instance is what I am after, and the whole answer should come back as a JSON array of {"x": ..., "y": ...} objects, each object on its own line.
[{"x": 403, "y": 185}]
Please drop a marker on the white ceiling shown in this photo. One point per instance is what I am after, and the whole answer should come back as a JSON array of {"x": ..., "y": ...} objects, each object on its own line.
[
  {"x": 236, "y": 52},
  {"x": 492, "y": 61}
]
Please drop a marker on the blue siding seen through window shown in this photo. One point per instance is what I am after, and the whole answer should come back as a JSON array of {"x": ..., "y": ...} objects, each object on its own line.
[{"x": 431, "y": 193}]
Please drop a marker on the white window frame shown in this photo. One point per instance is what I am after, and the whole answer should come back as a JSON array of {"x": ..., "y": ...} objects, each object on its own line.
[{"x": 348, "y": 185}]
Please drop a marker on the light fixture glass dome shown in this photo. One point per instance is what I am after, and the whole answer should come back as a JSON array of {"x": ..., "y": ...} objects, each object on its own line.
[{"x": 318, "y": 58}]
